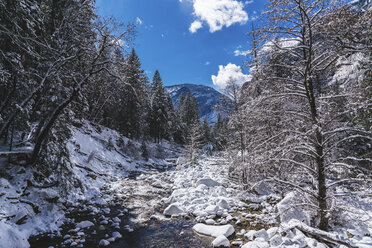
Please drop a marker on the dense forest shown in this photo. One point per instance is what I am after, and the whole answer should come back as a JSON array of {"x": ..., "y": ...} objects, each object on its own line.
[
  {"x": 300, "y": 126},
  {"x": 61, "y": 64}
]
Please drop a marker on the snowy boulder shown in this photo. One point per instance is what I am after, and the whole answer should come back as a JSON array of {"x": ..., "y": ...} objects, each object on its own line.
[
  {"x": 262, "y": 189},
  {"x": 178, "y": 192},
  {"x": 210, "y": 222},
  {"x": 250, "y": 234},
  {"x": 103, "y": 243},
  {"x": 256, "y": 244},
  {"x": 222, "y": 203},
  {"x": 208, "y": 182},
  {"x": 10, "y": 237},
  {"x": 212, "y": 209},
  {"x": 215, "y": 231},
  {"x": 287, "y": 211},
  {"x": 199, "y": 213},
  {"x": 201, "y": 187},
  {"x": 276, "y": 240},
  {"x": 272, "y": 231},
  {"x": 221, "y": 241},
  {"x": 116, "y": 235},
  {"x": 172, "y": 209},
  {"x": 84, "y": 224},
  {"x": 262, "y": 234}
]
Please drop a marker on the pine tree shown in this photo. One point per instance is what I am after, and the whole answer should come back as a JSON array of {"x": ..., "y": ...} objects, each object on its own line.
[
  {"x": 206, "y": 131},
  {"x": 194, "y": 141},
  {"x": 159, "y": 115},
  {"x": 133, "y": 97},
  {"x": 180, "y": 102},
  {"x": 189, "y": 110}
]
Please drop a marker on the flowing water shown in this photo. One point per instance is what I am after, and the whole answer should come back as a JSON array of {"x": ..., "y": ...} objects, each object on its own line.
[{"x": 142, "y": 203}]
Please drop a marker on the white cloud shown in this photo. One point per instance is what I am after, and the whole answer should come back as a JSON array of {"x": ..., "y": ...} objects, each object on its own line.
[
  {"x": 230, "y": 72},
  {"x": 217, "y": 14},
  {"x": 238, "y": 52},
  {"x": 195, "y": 26},
  {"x": 139, "y": 21},
  {"x": 249, "y": 2},
  {"x": 207, "y": 63}
]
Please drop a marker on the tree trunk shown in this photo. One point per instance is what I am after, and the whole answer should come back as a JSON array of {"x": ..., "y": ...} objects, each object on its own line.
[
  {"x": 322, "y": 189},
  {"x": 8, "y": 98},
  {"x": 43, "y": 134}
]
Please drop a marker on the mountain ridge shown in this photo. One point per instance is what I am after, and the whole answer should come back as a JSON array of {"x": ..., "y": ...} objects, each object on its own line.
[{"x": 206, "y": 96}]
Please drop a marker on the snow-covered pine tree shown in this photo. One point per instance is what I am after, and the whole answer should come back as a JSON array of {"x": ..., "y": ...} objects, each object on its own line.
[
  {"x": 194, "y": 141},
  {"x": 134, "y": 97},
  {"x": 181, "y": 99},
  {"x": 189, "y": 110},
  {"x": 159, "y": 110}
]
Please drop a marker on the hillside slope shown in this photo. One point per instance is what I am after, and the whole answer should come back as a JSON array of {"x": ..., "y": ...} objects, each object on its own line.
[{"x": 99, "y": 159}]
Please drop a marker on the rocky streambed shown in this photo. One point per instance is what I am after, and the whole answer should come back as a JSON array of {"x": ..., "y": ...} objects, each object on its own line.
[{"x": 192, "y": 205}]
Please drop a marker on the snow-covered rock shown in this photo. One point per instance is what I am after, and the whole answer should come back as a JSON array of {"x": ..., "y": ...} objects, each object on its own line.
[
  {"x": 221, "y": 241},
  {"x": 172, "y": 209},
  {"x": 272, "y": 231},
  {"x": 200, "y": 213},
  {"x": 215, "y": 231},
  {"x": 262, "y": 234},
  {"x": 222, "y": 203},
  {"x": 276, "y": 240},
  {"x": 256, "y": 244},
  {"x": 210, "y": 222},
  {"x": 116, "y": 235},
  {"x": 103, "y": 243},
  {"x": 287, "y": 210},
  {"x": 208, "y": 182},
  {"x": 212, "y": 209},
  {"x": 84, "y": 224}
]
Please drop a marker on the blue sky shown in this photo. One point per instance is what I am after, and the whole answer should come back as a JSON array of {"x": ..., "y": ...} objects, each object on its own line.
[{"x": 166, "y": 41}]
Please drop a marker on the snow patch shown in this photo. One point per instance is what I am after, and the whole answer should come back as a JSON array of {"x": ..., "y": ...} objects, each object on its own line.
[{"x": 11, "y": 237}]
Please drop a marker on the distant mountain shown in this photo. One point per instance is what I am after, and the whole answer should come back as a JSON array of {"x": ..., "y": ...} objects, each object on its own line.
[{"x": 206, "y": 96}]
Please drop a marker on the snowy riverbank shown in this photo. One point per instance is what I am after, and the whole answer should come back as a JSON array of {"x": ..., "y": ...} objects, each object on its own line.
[
  {"x": 121, "y": 194},
  {"x": 223, "y": 208},
  {"x": 100, "y": 159}
]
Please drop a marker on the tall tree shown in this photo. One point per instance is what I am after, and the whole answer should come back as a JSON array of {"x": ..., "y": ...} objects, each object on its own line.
[
  {"x": 133, "y": 97},
  {"x": 159, "y": 114},
  {"x": 294, "y": 125}
]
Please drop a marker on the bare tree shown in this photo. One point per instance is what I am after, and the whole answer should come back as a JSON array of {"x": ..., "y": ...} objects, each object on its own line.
[{"x": 299, "y": 134}]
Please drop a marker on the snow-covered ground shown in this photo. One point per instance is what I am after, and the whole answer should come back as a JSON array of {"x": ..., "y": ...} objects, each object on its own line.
[
  {"x": 204, "y": 191},
  {"x": 100, "y": 159},
  {"x": 201, "y": 192}
]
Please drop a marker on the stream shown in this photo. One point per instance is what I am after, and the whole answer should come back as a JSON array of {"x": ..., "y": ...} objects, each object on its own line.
[{"x": 131, "y": 216}]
